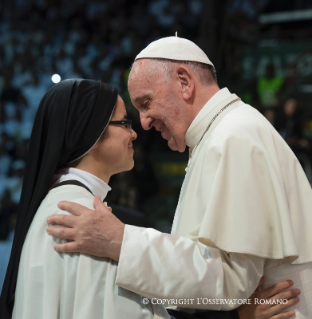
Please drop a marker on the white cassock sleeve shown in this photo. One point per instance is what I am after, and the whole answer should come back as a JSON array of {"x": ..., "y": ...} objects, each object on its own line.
[{"x": 168, "y": 266}]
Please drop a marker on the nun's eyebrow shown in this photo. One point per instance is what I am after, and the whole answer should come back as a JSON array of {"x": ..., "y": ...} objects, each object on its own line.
[{"x": 125, "y": 117}]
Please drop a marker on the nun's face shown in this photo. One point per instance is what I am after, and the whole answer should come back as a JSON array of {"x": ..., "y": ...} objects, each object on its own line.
[{"x": 116, "y": 149}]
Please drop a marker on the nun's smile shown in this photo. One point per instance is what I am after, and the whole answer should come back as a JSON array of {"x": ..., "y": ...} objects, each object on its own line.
[{"x": 115, "y": 147}]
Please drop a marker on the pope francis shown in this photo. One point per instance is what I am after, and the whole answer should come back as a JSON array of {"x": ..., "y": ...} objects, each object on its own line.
[{"x": 244, "y": 207}]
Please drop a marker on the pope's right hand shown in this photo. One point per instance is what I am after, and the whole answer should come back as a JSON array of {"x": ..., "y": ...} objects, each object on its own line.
[{"x": 94, "y": 232}]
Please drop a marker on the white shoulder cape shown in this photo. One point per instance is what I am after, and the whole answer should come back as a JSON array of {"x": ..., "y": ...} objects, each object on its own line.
[{"x": 244, "y": 190}]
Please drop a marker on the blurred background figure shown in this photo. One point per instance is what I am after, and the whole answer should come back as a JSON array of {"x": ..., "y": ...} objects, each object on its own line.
[
  {"x": 269, "y": 87},
  {"x": 262, "y": 51},
  {"x": 270, "y": 115},
  {"x": 289, "y": 125}
]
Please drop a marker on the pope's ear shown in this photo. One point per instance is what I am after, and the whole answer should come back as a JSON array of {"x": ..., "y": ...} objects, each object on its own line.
[{"x": 186, "y": 82}]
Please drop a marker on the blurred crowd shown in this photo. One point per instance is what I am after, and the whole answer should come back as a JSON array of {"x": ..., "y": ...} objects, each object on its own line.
[
  {"x": 81, "y": 39},
  {"x": 280, "y": 107},
  {"x": 98, "y": 40}
]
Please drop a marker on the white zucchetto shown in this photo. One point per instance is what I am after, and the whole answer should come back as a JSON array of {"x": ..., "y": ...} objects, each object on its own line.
[{"x": 174, "y": 48}]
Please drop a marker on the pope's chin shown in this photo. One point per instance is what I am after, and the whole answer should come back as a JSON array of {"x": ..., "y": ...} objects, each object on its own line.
[{"x": 173, "y": 145}]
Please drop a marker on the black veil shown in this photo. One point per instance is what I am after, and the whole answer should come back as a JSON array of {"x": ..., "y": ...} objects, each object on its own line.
[{"x": 71, "y": 117}]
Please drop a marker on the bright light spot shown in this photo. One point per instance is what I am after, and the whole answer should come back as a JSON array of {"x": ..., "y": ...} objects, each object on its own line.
[{"x": 55, "y": 78}]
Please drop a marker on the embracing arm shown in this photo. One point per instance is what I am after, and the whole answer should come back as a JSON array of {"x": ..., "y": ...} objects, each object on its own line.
[
  {"x": 183, "y": 265},
  {"x": 100, "y": 233},
  {"x": 192, "y": 270},
  {"x": 167, "y": 266}
]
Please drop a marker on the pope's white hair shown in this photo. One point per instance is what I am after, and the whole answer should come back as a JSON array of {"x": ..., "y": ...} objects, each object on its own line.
[{"x": 205, "y": 72}]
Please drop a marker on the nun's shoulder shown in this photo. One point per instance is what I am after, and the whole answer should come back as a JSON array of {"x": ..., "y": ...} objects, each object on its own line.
[{"x": 70, "y": 193}]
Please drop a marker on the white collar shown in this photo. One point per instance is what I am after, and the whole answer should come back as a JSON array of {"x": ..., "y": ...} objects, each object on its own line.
[
  {"x": 206, "y": 114},
  {"x": 96, "y": 185},
  {"x": 216, "y": 99}
]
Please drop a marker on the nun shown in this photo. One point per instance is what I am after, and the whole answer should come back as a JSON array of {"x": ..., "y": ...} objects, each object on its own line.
[{"x": 80, "y": 138}]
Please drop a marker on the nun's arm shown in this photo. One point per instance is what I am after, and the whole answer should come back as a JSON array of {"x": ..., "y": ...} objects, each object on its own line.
[{"x": 95, "y": 232}]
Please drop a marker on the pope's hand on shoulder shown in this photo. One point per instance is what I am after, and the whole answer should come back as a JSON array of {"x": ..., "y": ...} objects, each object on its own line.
[{"x": 95, "y": 232}]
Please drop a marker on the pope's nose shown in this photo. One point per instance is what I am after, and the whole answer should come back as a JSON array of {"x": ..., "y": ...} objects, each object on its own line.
[{"x": 146, "y": 121}]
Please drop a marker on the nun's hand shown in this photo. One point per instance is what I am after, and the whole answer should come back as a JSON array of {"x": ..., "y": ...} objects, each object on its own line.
[
  {"x": 95, "y": 232},
  {"x": 271, "y": 303}
]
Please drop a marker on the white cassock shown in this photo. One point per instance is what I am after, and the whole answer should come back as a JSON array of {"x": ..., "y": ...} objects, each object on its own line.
[
  {"x": 53, "y": 285},
  {"x": 245, "y": 210}
]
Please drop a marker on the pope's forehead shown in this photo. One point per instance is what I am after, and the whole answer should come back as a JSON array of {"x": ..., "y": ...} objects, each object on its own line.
[
  {"x": 139, "y": 74},
  {"x": 138, "y": 68}
]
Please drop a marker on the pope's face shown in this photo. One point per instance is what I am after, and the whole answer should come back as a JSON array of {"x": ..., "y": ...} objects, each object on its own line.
[{"x": 159, "y": 105}]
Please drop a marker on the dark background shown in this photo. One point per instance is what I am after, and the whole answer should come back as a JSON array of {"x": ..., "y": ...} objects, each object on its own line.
[{"x": 262, "y": 51}]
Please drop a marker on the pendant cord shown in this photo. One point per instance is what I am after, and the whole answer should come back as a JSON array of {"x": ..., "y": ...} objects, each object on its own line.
[{"x": 213, "y": 119}]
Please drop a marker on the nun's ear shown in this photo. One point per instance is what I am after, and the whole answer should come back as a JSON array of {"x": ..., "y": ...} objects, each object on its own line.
[
  {"x": 96, "y": 145},
  {"x": 101, "y": 139}
]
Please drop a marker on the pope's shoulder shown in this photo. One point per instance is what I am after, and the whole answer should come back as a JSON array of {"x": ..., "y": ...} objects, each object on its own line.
[
  {"x": 244, "y": 127},
  {"x": 246, "y": 123}
]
